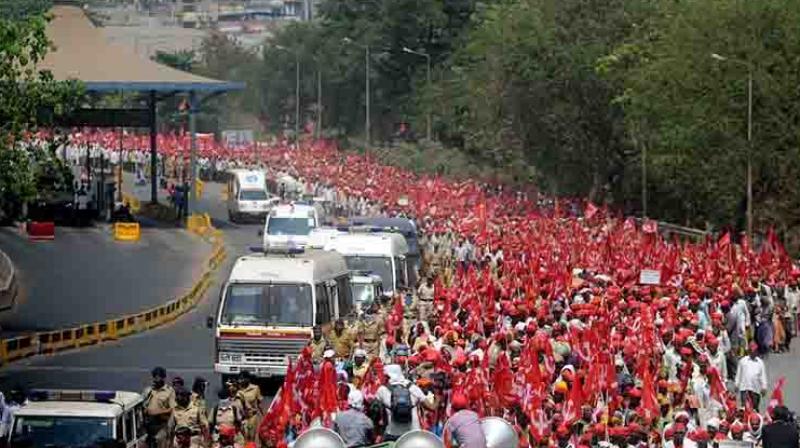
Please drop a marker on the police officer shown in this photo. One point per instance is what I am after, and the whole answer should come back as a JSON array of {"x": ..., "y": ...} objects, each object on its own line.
[
  {"x": 159, "y": 401},
  {"x": 183, "y": 437},
  {"x": 341, "y": 340},
  {"x": 318, "y": 344},
  {"x": 188, "y": 414},
  {"x": 370, "y": 328},
  {"x": 227, "y": 413},
  {"x": 249, "y": 395}
]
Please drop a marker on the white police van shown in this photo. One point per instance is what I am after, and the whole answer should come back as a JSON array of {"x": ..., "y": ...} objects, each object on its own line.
[
  {"x": 67, "y": 418},
  {"x": 247, "y": 195}
]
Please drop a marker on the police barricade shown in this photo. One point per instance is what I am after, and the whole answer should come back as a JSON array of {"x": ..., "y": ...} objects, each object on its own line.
[
  {"x": 127, "y": 231},
  {"x": 41, "y": 231}
]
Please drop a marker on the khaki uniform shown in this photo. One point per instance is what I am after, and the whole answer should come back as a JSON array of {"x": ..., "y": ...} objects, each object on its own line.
[
  {"x": 251, "y": 398},
  {"x": 194, "y": 418},
  {"x": 317, "y": 349},
  {"x": 342, "y": 344},
  {"x": 371, "y": 329},
  {"x": 158, "y": 400}
]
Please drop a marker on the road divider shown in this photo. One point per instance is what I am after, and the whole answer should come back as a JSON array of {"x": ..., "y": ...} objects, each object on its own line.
[
  {"x": 55, "y": 341},
  {"x": 127, "y": 231}
]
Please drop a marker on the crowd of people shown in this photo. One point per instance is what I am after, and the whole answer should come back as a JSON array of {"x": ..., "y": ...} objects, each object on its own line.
[{"x": 579, "y": 327}]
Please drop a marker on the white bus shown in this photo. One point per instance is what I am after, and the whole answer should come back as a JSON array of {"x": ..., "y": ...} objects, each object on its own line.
[
  {"x": 269, "y": 305},
  {"x": 247, "y": 196},
  {"x": 382, "y": 254},
  {"x": 288, "y": 226},
  {"x": 79, "y": 418}
]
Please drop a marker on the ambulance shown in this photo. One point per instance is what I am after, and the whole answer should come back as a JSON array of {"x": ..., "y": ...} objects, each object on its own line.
[
  {"x": 79, "y": 418},
  {"x": 270, "y": 304},
  {"x": 248, "y": 198},
  {"x": 382, "y": 254},
  {"x": 288, "y": 227}
]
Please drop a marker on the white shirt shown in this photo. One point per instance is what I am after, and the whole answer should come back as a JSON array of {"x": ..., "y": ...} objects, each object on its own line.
[{"x": 751, "y": 375}]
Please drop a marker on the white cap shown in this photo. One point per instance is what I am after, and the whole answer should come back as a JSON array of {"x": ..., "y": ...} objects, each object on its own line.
[
  {"x": 360, "y": 353},
  {"x": 355, "y": 399},
  {"x": 329, "y": 354}
]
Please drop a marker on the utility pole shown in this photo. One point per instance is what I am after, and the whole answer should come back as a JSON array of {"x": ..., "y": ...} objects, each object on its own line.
[
  {"x": 319, "y": 102},
  {"x": 366, "y": 89},
  {"x": 297, "y": 100},
  {"x": 428, "y": 130}
]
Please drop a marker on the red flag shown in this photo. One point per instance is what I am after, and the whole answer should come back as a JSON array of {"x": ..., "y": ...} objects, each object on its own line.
[
  {"x": 572, "y": 411},
  {"x": 776, "y": 399},
  {"x": 649, "y": 399}
]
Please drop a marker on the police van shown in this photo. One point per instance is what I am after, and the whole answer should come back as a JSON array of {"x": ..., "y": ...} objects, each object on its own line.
[
  {"x": 269, "y": 306},
  {"x": 382, "y": 254},
  {"x": 79, "y": 418},
  {"x": 248, "y": 198},
  {"x": 288, "y": 226}
]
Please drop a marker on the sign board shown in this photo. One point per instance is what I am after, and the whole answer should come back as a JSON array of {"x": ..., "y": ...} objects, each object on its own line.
[
  {"x": 735, "y": 444},
  {"x": 650, "y": 277},
  {"x": 237, "y": 137}
]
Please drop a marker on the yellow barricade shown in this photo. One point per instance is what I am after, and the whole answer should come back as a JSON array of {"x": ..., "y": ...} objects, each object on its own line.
[{"x": 127, "y": 231}]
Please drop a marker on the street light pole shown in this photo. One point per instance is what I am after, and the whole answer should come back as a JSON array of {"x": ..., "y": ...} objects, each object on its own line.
[
  {"x": 366, "y": 94},
  {"x": 428, "y": 127},
  {"x": 297, "y": 100},
  {"x": 749, "y": 175},
  {"x": 319, "y": 102}
]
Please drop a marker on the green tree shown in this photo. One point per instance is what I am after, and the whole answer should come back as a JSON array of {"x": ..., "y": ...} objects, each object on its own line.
[
  {"x": 24, "y": 93},
  {"x": 689, "y": 110}
]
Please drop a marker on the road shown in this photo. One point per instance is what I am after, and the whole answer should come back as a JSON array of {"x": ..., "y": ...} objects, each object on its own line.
[
  {"x": 184, "y": 348},
  {"x": 84, "y": 276}
]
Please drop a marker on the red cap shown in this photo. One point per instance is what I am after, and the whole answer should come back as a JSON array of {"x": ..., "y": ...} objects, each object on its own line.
[
  {"x": 459, "y": 401},
  {"x": 227, "y": 431}
]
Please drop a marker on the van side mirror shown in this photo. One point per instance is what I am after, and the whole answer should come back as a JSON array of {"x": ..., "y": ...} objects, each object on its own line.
[{"x": 210, "y": 322}]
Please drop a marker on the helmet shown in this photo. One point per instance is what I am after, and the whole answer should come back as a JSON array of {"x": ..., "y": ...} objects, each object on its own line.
[
  {"x": 499, "y": 433},
  {"x": 319, "y": 438},
  {"x": 418, "y": 439}
]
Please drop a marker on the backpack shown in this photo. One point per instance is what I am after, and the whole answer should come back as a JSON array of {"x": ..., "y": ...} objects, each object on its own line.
[{"x": 402, "y": 406}]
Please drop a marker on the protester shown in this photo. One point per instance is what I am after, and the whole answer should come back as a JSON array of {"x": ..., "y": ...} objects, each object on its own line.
[
  {"x": 537, "y": 314},
  {"x": 353, "y": 425},
  {"x": 751, "y": 378},
  {"x": 464, "y": 425}
]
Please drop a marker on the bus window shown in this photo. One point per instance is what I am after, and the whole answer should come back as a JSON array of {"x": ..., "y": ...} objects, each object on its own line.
[
  {"x": 400, "y": 271},
  {"x": 323, "y": 305},
  {"x": 139, "y": 415},
  {"x": 129, "y": 427},
  {"x": 343, "y": 295}
]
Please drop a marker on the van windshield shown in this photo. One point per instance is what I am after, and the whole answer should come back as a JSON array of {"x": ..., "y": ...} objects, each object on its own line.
[
  {"x": 253, "y": 195},
  {"x": 363, "y": 294},
  {"x": 380, "y": 266},
  {"x": 61, "y": 431},
  {"x": 271, "y": 304},
  {"x": 289, "y": 226}
]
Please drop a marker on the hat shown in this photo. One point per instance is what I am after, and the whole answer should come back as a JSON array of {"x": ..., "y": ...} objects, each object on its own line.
[
  {"x": 561, "y": 387},
  {"x": 459, "y": 401},
  {"x": 360, "y": 353},
  {"x": 355, "y": 399},
  {"x": 329, "y": 354},
  {"x": 737, "y": 427}
]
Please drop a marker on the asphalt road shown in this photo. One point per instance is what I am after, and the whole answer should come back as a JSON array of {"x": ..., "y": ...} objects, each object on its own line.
[
  {"x": 85, "y": 276},
  {"x": 185, "y": 347}
]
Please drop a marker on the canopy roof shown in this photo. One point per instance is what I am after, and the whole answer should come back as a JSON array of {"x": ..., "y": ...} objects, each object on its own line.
[{"x": 83, "y": 53}]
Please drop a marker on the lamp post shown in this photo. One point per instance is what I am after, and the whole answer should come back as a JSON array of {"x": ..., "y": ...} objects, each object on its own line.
[
  {"x": 366, "y": 88},
  {"x": 428, "y": 61},
  {"x": 749, "y": 136},
  {"x": 296, "y": 92}
]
